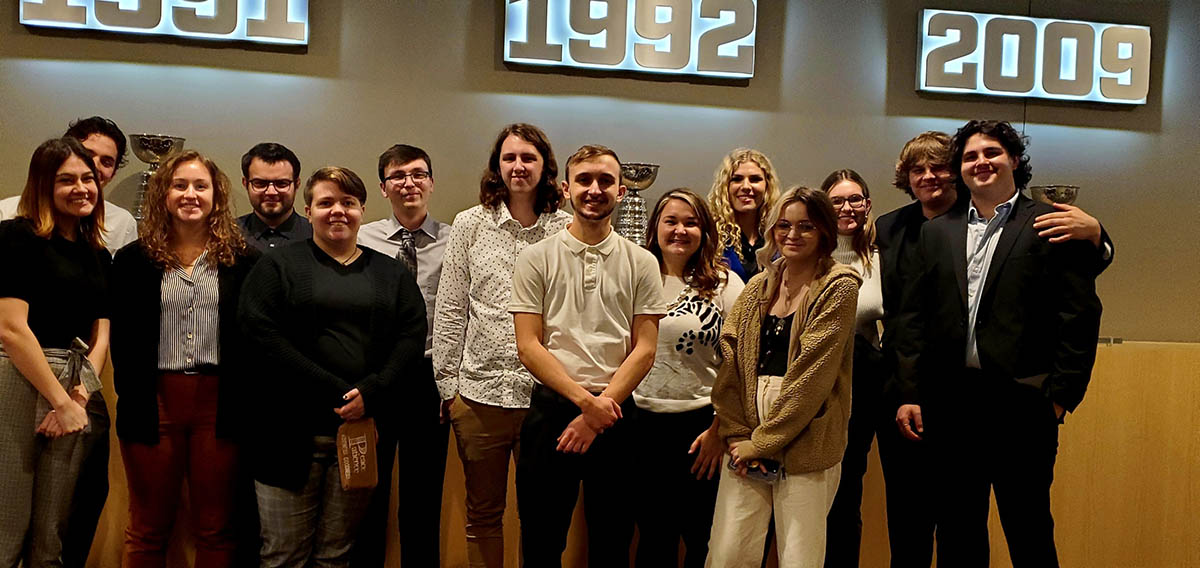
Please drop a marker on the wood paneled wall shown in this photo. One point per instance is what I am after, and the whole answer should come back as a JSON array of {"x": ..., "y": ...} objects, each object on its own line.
[{"x": 1126, "y": 492}]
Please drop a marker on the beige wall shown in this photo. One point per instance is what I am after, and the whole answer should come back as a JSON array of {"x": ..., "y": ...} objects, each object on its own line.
[{"x": 834, "y": 89}]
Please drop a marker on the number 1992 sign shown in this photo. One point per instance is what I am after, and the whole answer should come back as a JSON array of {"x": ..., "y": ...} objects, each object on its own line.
[
  {"x": 1017, "y": 56},
  {"x": 689, "y": 37}
]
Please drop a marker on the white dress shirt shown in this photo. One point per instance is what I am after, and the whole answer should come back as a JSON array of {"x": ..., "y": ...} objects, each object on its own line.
[
  {"x": 474, "y": 345},
  {"x": 431, "y": 237}
]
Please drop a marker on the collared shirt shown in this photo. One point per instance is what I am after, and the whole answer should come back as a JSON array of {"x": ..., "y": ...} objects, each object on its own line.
[
  {"x": 189, "y": 322},
  {"x": 431, "y": 237},
  {"x": 982, "y": 237},
  {"x": 474, "y": 345},
  {"x": 587, "y": 296},
  {"x": 120, "y": 228},
  {"x": 264, "y": 238}
]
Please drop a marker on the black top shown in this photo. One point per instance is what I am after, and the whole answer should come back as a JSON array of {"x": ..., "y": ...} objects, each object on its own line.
[
  {"x": 64, "y": 282},
  {"x": 749, "y": 256},
  {"x": 342, "y": 299},
  {"x": 266, "y": 239},
  {"x": 773, "y": 345},
  {"x": 285, "y": 321},
  {"x": 137, "y": 306}
]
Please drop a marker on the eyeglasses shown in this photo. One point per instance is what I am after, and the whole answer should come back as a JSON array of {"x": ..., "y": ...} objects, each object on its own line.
[
  {"x": 805, "y": 228},
  {"x": 278, "y": 184},
  {"x": 417, "y": 177},
  {"x": 855, "y": 201}
]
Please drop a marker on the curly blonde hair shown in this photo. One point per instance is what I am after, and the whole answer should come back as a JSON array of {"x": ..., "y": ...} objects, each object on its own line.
[
  {"x": 729, "y": 234},
  {"x": 225, "y": 241}
]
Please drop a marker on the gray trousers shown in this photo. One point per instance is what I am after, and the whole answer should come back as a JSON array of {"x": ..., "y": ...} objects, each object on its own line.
[
  {"x": 315, "y": 526},
  {"x": 37, "y": 474}
]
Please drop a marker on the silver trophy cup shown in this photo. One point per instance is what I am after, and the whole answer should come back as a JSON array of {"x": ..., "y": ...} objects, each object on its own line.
[
  {"x": 631, "y": 217},
  {"x": 1051, "y": 194},
  {"x": 151, "y": 149}
]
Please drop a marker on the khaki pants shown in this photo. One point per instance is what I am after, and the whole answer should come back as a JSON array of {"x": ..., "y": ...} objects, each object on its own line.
[
  {"x": 798, "y": 502},
  {"x": 486, "y": 437}
]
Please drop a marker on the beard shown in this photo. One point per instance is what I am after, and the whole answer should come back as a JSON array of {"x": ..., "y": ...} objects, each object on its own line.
[{"x": 276, "y": 210}]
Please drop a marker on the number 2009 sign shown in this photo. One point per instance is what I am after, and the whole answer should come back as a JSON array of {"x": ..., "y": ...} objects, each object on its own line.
[
  {"x": 1030, "y": 57},
  {"x": 691, "y": 37}
]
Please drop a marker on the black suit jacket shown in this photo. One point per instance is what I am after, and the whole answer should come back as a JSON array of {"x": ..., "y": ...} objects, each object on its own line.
[
  {"x": 1038, "y": 320},
  {"x": 136, "y": 290}
]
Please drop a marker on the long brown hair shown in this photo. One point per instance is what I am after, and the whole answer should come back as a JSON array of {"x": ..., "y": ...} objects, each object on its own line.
[
  {"x": 864, "y": 238},
  {"x": 705, "y": 270},
  {"x": 37, "y": 199},
  {"x": 730, "y": 234},
  {"x": 820, "y": 213},
  {"x": 492, "y": 191},
  {"x": 225, "y": 240}
]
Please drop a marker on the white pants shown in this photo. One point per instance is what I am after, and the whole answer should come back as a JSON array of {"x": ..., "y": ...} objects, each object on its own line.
[{"x": 799, "y": 503}]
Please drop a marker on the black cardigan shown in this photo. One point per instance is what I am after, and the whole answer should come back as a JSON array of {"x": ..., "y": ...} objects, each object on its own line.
[
  {"x": 278, "y": 320},
  {"x": 137, "y": 305}
]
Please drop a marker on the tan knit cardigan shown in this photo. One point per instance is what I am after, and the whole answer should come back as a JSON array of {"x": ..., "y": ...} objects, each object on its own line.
[{"x": 807, "y": 430}]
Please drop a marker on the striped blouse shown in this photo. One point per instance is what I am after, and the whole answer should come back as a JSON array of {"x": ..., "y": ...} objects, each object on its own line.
[{"x": 189, "y": 322}]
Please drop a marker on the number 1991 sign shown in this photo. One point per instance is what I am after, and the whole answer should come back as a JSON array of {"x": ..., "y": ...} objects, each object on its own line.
[
  {"x": 1016, "y": 56},
  {"x": 688, "y": 37}
]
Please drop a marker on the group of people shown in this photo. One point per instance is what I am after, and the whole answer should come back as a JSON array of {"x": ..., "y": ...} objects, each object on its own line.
[{"x": 722, "y": 383}]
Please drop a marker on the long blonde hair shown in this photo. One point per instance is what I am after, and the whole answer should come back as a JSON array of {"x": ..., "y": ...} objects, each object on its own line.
[
  {"x": 728, "y": 231},
  {"x": 225, "y": 242}
]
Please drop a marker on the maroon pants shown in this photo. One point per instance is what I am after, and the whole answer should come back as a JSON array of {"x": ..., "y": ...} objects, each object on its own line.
[{"x": 187, "y": 448}]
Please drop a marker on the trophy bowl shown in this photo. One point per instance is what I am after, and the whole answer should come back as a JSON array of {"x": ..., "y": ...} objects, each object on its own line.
[
  {"x": 637, "y": 175},
  {"x": 1051, "y": 194},
  {"x": 151, "y": 149},
  {"x": 154, "y": 148},
  {"x": 631, "y": 218}
]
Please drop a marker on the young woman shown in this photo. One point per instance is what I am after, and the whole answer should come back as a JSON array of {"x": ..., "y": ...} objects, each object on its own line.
[
  {"x": 179, "y": 362},
  {"x": 334, "y": 326},
  {"x": 782, "y": 395},
  {"x": 484, "y": 387},
  {"x": 680, "y": 450},
  {"x": 856, "y": 234},
  {"x": 744, "y": 189},
  {"x": 54, "y": 332}
]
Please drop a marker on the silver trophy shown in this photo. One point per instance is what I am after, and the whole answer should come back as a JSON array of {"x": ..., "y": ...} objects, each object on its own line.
[
  {"x": 631, "y": 217},
  {"x": 151, "y": 149},
  {"x": 1051, "y": 194}
]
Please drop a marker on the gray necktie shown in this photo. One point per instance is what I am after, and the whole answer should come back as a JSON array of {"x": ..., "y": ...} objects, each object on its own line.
[{"x": 408, "y": 251}]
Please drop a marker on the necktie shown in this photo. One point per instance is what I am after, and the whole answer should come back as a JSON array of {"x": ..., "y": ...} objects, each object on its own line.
[{"x": 408, "y": 251}]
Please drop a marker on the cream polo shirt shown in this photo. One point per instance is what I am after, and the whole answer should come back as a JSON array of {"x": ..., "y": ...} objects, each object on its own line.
[{"x": 587, "y": 296}]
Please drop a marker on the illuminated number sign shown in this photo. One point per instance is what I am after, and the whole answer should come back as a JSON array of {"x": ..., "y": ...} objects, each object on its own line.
[
  {"x": 260, "y": 21},
  {"x": 1015, "y": 56},
  {"x": 686, "y": 37}
]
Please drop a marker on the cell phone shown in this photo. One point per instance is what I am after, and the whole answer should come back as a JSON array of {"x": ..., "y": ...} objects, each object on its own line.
[{"x": 754, "y": 472}]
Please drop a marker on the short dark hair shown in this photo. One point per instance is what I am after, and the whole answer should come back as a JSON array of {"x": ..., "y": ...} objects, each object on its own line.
[
  {"x": 344, "y": 178},
  {"x": 403, "y": 154},
  {"x": 1013, "y": 142},
  {"x": 492, "y": 191},
  {"x": 591, "y": 152},
  {"x": 81, "y": 128},
  {"x": 270, "y": 152}
]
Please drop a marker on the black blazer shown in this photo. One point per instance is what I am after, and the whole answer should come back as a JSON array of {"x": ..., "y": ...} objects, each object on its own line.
[
  {"x": 136, "y": 290},
  {"x": 1038, "y": 319}
]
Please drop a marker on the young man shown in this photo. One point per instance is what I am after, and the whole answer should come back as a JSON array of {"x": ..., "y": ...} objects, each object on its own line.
[
  {"x": 107, "y": 144},
  {"x": 270, "y": 174},
  {"x": 585, "y": 306},
  {"x": 995, "y": 341},
  {"x": 412, "y": 236}
]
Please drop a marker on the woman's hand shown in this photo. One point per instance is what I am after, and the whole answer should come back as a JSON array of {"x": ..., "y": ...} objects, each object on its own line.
[
  {"x": 80, "y": 395},
  {"x": 354, "y": 409},
  {"x": 709, "y": 449},
  {"x": 742, "y": 453},
  {"x": 70, "y": 418}
]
